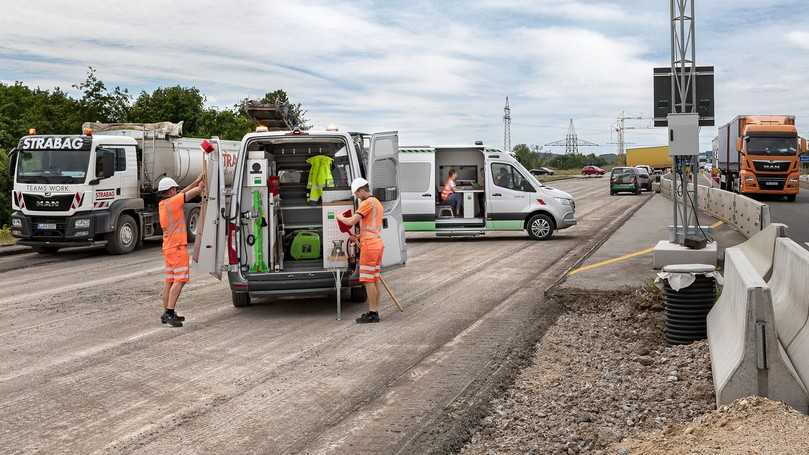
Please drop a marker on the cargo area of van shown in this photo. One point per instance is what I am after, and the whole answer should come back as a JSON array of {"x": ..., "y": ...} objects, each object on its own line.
[
  {"x": 469, "y": 164},
  {"x": 291, "y": 188}
]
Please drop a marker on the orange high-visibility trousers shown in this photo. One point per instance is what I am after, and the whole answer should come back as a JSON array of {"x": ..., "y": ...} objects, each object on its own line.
[
  {"x": 176, "y": 259},
  {"x": 371, "y": 259}
]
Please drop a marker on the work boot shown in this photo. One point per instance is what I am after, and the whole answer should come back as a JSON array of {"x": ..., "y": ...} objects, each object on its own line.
[
  {"x": 369, "y": 317},
  {"x": 172, "y": 320},
  {"x": 176, "y": 316}
]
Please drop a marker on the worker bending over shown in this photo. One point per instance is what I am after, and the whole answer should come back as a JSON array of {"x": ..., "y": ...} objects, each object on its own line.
[
  {"x": 175, "y": 242},
  {"x": 369, "y": 215},
  {"x": 448, "y": 194}
]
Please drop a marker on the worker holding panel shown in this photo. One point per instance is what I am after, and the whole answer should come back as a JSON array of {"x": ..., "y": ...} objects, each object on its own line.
[{"x": 369, "y": 215}]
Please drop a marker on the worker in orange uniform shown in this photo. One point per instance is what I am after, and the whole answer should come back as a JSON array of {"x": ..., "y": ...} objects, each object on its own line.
[
  {"x": 369, "y": 215},
  {"x": 175, "y": 242}
]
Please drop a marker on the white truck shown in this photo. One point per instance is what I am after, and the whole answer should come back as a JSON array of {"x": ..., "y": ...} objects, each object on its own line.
[
  {"x": 274, "y": 232},
  {"x": 82, "y": 190}
]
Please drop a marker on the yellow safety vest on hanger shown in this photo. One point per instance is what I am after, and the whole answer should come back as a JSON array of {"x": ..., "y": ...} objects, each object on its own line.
[{"x": 319, "y": 176}]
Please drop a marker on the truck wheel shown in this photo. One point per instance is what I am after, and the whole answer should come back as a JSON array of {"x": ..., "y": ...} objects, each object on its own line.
[
  {"x": 358, "y": 294},
  {"x": 240, "y": 299},
  {"x": 791, "y": 197},
  {"x": 192, "y": 224},
  {"x": 125, "y": 237},
  {"x": 46, "y": 249},
  {"x": 540, "y": 227}
]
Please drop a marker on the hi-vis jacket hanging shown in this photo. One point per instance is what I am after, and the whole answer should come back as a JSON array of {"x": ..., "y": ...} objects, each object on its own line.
[{"x": 319, "y": 176}]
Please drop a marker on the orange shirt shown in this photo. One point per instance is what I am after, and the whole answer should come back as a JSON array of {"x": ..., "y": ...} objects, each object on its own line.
[
  {"x": 371, "y": 211},
  {"x": 172, "y": 221}
]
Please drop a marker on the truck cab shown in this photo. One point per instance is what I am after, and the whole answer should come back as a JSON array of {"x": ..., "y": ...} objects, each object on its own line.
[
  {"x": 499, "y": 194},
  {"x": 75, "y": 191},
  {"x": 274, "y": 231}
]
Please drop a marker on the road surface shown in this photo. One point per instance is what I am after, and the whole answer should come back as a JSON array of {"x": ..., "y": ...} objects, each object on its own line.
[{"x": 86, "y": 367}]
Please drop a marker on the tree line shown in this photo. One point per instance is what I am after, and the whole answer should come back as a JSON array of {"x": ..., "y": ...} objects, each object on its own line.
[
  {"x": 55, "y": 112},
  {"x": 532, "y": 159}
]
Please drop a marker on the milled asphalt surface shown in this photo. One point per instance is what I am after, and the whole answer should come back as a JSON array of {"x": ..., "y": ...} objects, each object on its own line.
[{"x": 85, "y": 366}]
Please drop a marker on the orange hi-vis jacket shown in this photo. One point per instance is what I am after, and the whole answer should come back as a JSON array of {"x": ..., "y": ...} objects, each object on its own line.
[
  {"x": 172, "y": 221},
  {"x": 448, "y": 189},
  {"x": 372, "y": 247}
]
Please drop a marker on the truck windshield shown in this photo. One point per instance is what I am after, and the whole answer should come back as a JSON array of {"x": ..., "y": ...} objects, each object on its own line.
[
  {"x": 52, "y": 166},
  {"x": 781, "y": 146}
]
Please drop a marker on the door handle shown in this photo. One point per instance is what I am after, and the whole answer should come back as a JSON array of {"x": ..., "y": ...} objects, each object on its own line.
[
  {"x": 426, "y": 195},
  {"x": 497, "y": 195}
]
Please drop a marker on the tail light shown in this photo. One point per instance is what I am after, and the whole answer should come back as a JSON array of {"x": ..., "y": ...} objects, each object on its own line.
[{"x": 233, "y": 256}]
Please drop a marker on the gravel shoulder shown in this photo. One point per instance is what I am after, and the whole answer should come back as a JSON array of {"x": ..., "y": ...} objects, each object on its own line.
[{"x": 600, "y": 374}]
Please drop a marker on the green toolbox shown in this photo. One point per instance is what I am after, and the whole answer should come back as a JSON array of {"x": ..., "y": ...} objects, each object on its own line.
[{"x": 305, "y": 245}]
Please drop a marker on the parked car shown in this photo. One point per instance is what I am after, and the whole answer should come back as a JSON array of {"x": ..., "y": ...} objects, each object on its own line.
[
  {"x": 592, "y": 170},
  {"x": 624, "y": 179},
  {"x": 649, "y": 169},
  {"x": 644, "y": 178},
  {"x": 541, "y": 171}
]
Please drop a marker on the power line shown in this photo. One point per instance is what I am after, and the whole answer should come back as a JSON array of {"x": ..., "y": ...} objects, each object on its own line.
[
  {"x": 571, "y": 142},
  {"x": 507, "y": 127}
]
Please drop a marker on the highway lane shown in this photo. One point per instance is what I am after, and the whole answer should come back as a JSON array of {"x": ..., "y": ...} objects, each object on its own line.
[
  {"x": 793, "y": 214},
  {"x": 85, "y": 366}
]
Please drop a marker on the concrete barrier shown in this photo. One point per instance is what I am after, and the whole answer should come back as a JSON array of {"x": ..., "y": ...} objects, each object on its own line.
[
  {"x": 747, "y": 215},
  {"x": 746, "y": 357},
  {"x": 722, "y": 203},
  {"x": 790, "y": 296},
  {"x": 760, "y": 248}
]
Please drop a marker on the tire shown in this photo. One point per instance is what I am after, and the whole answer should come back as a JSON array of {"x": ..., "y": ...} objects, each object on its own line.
[
  {"x": 358, "y": 294},
  {"x": 540, "y": 227},
  {"x": 125, "y": 237},
  {"x": 612, "y": 193},
  {"x": 192, "y": 224},
  {"x": 791, "y": 197},
  {"x": 637, "y": 191},
  {"x": 46, "y": 249},
  {"x": 240, "y": 299}
]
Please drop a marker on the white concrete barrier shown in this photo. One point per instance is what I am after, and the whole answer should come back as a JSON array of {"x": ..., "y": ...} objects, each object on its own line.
[
  {"x": 747, "y": 214},
  {"x": 722, "y": 204},
  {"x": 746, "y": 357},
  {"x": 790, "y": 296},
  {"x": 760, "y": 248}
]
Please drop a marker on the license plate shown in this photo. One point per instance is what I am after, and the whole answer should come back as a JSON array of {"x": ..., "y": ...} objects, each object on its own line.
[
  {"x": 771, "y": 183},
  {"x": 46, "y": 226}
]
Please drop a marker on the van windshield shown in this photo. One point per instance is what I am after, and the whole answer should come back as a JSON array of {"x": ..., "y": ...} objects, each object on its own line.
[{"x": 52, "y": 166}]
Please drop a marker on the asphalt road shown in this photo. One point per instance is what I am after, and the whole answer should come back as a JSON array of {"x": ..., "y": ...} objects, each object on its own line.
[
  {"x": 793, "y": 214},
  {"x": 86, "y": 367}
]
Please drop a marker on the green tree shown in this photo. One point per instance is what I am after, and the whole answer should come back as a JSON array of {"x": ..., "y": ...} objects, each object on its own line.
[
  {"x": 170, "y": 104},
  {"x": 230, "y": 124},
  {"x": 98, "y": 104},
  {"x": 525, "y": 156}
]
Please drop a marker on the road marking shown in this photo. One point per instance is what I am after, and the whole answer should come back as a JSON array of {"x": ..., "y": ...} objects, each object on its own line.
[{"x": 626, "y": 256}]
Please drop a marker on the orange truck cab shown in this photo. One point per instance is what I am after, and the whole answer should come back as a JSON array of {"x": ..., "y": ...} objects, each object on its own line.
[{"x": 759, "y": 154}]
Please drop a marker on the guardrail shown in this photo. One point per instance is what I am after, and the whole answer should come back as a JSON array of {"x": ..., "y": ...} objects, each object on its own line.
[{"x": 747, "y": 215}]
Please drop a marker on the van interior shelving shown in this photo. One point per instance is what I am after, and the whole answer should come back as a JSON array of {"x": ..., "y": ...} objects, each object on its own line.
[{"x": 293, "y": 212}]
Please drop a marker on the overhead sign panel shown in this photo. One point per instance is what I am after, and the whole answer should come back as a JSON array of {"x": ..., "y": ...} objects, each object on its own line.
[{"x": 705, "y": 95}]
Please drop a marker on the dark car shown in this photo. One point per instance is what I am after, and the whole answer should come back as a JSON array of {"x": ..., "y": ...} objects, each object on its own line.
[
  {"x": 624, "y": 179},
  {"x": 541, "y": 171},
  {"x": 644, "y": 178},
  {"x": 592, "y": 170}
]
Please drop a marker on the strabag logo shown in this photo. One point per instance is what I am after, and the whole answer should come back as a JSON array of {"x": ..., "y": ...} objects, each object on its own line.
[
  {"x": 54, "y": 143},
  {"x": 103, "y": 195}
]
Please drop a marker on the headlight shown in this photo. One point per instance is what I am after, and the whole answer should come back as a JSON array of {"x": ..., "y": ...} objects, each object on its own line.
[
  {"x": 82, "y": 223},
  {"x": 750, "y": 180},
  {"x": 564, "y": 201},
  {"x": 16, "y": 222}
]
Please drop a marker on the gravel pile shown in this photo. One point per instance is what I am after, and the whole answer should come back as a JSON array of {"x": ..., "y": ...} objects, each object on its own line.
[
  {"x": 749, "y": 425},
  {"x": 601, "y": 373}
]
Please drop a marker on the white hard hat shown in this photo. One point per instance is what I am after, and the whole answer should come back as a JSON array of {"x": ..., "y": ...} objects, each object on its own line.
[
  {"x": 166, "y": 183},
  {"x": 358, "y": 183}
]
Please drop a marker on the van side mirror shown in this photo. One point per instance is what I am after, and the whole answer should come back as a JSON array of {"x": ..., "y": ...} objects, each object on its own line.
[
  {"x": 739, "y": 144},
  {"x": 105, "y": 164}
]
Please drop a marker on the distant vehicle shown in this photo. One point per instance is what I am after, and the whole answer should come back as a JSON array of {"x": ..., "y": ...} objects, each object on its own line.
[
  {"x": 654, "y": 157},
  {"x": 592, "y": 170},
  {"x": 542, "y": 171},
  {"x": 644, "y": 177},
  {"x": 624, "y": 179},
  {"x": 649, "y": 169}
]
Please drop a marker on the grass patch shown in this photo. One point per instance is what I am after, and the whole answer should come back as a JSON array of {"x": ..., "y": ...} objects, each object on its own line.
[{"x": 6, "y": 239}]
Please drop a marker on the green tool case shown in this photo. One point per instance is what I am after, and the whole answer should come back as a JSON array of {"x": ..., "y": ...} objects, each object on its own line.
[{"x": 305, "y": 245}]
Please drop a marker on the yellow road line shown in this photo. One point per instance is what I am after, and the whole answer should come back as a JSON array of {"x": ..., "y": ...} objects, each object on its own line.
[{"x": 625, "y": 257}]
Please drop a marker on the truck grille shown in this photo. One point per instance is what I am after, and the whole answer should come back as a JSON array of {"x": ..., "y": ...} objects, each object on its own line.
[
  {"x": 771, "y": 166},
  {"x": 38, "y": 202},
  {"x": 771, "y": 183}
]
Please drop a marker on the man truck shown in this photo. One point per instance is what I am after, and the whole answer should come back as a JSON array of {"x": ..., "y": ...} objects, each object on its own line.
[
  {"x": 100, "y": 187},
  {"x": 759, "y": 154}
]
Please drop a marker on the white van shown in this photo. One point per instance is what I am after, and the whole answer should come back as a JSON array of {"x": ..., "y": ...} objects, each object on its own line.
[
  {"x": 273, "y": 233},
  {"x": 499, "y": 194}
]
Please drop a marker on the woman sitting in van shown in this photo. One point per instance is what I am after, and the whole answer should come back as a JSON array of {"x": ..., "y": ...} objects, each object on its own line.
[{"x": 448, "y": 194}]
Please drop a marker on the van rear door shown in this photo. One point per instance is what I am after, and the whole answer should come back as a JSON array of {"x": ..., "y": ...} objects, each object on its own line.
[
  {"x": 212, "y": 216},
  {"x": 383, "y": 176}
]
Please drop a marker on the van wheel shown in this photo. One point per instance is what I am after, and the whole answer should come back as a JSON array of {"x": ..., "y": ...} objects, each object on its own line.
[
  {"x": 125, "y": 237},
  {"x": 192, "y": 224},
  {"x": 540, "y": 227},
  {"x": 358, "y": 294},
  {"x": 240, "y": 299}
]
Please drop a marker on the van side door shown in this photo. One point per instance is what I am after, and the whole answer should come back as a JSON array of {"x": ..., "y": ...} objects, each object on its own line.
[
  {"x": 383, "y": 176},
  {"x": 213, "y": 215},
  {"x": 508, "y": 192},
  {"x": 417, "y": 180}
]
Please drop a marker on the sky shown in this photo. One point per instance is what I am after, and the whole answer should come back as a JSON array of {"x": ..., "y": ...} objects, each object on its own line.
[{"x": 436, "y": 71}]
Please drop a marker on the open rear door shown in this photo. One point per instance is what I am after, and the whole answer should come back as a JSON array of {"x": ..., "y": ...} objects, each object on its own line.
[
  {"x": 212, "y": 249},
  {"x": 383, "y": 176}
]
